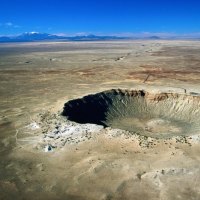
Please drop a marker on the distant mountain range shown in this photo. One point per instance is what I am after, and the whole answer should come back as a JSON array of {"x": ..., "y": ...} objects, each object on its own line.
[{"x": 35, "y": 36}]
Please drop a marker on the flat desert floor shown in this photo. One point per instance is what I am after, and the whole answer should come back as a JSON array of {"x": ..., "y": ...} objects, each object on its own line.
[{"x": 94, "y": 163}]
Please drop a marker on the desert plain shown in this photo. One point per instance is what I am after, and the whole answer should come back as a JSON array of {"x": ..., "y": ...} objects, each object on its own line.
[{"x": 44, "y": 155}]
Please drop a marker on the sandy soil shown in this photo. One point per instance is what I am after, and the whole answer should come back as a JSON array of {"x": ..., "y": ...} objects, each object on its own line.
[{"x": 36, "y": 79}]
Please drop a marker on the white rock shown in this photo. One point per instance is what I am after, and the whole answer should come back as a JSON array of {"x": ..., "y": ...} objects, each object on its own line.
[
  {"x": 48, "y": 148},
  {"x": 33, "y": 126}
]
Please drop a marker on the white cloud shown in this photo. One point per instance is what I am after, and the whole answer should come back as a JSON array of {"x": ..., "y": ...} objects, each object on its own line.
[{"x": 9, "y": 25}]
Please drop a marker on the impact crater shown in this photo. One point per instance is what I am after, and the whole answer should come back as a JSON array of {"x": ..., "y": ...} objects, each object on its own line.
[{"x": 159, "y": 115}]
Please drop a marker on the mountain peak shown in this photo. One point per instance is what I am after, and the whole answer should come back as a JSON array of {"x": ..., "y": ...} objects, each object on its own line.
[{"x": 31, "y": 33}]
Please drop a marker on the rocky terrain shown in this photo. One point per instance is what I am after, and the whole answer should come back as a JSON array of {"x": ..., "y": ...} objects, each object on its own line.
[{"x": 139, "y": 139}]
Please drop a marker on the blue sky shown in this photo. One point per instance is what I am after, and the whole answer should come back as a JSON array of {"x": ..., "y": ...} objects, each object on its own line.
[{"x": 111, "y": 17}]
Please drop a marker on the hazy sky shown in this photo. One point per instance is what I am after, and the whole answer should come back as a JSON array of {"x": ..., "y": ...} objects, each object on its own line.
[{"x": 100, "y": 16}]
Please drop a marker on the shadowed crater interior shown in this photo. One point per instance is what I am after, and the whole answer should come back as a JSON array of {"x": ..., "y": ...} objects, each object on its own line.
[{"x": 149, "y": 114}]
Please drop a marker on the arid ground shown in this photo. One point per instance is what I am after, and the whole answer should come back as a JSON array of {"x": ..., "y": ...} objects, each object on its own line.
[{"x": 43, "y": 155}]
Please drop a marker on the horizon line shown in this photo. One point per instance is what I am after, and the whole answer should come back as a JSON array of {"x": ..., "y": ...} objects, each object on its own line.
[{"x": 123, "y": 34}]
